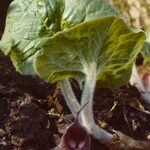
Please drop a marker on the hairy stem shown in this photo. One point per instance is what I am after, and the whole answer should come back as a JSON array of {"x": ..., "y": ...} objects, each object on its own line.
[
  {"x": 100, "y": 134},
  {"x": 87, "y": 96},
  {"x": 136, "y": 80},
  {"x": 70, "y": 97},
  {"x": 87, "y": 117}
]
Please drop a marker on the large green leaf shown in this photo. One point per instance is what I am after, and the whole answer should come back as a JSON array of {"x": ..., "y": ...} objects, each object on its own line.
[
  {"x": 31, "y": 22},
  {"x": 67, "y": 36},
  {"x": 108, "y": 43}
]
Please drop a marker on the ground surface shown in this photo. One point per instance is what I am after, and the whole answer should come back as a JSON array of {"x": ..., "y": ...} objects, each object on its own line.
[{"x": 33, "y": 114}]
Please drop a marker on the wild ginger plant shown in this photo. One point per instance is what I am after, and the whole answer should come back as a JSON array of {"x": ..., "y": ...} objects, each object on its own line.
[{"x": 82, "y": 39}]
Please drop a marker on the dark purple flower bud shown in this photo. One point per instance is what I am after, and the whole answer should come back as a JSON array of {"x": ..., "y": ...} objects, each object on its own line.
[{"x": 76, "y": 137}]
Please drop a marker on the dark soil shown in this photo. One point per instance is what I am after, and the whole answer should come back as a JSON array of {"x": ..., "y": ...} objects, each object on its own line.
[{"x": 33, "y": 114}]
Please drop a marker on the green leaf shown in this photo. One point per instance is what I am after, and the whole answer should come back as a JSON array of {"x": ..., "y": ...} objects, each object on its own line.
[
  {"x": 107, "y": 44},
  {"x": 29, "y": 24},
  {"x": 146, "y": 48}
]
